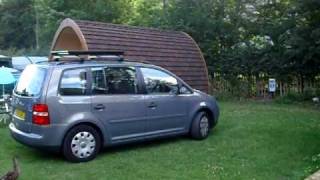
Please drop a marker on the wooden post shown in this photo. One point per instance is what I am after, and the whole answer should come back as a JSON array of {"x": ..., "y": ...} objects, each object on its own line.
[{"x": 280, "y": 88}]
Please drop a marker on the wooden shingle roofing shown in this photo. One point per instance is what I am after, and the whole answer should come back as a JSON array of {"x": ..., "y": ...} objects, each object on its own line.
[{"x": 175, "y": 51}]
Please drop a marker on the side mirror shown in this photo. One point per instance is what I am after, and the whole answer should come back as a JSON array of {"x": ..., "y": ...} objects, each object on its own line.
[
  {"x": 176, "y": 90},
  {"x": 183, "y": 90}
]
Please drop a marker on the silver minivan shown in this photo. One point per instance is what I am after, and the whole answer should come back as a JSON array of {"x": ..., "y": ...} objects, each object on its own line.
[{"x": 78, "y": 107}]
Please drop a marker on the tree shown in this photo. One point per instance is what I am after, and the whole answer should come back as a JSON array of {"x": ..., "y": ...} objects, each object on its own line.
[
  {"x": 17, "y": 24},
  {"x": 54, "y": 11}
]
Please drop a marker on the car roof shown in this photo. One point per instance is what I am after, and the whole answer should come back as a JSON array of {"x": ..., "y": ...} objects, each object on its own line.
[{"x": 93, "y": 63}]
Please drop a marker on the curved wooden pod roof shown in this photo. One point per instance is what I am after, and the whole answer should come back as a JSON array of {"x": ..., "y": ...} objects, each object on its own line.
[{"x": 175, "y": 51}]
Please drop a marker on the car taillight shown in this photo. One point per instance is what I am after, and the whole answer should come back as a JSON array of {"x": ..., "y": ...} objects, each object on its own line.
[{"x": 40, "y": 114}]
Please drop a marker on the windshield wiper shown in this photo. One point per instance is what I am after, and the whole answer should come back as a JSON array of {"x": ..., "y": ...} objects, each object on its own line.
[{"x": 24, "y": 93}]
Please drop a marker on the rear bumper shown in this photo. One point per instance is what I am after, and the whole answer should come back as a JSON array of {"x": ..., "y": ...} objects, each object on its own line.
[{"x": 33, "y": 140}]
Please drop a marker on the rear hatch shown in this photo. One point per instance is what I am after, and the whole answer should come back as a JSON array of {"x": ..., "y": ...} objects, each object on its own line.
[{"x": 28, "y": 92}]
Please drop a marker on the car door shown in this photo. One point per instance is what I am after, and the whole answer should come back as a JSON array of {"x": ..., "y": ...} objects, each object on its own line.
[
  {"x": 166, "y": 109},
  {"x": 117, "y": 103}
]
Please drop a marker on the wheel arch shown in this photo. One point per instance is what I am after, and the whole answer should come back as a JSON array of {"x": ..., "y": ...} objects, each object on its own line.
[
  {"x": 88, "y": 123},
  {"x": 210, "y": 113}
]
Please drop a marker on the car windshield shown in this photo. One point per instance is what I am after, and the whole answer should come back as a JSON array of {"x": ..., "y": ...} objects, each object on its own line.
[{"x": 31, "y": 80}]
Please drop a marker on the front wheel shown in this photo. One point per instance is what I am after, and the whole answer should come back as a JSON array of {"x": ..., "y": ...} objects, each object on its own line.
[
  {"x": 200, "y": 126},
  {"x": 82, "y": 143}
]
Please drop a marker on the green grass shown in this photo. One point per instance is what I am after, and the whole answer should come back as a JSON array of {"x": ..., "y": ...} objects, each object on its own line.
[{"x": 252, "y": 141}]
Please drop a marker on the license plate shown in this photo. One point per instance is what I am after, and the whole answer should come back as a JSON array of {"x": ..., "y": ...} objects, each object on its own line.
[{"x": 20, "y": 114}]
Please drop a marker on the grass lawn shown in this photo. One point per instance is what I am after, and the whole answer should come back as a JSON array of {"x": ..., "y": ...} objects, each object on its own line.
[{"x": 253, "y": 140}]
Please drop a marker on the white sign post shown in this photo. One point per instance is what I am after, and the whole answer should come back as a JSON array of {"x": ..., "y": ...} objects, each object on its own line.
[{"x": 272, "y": 87}]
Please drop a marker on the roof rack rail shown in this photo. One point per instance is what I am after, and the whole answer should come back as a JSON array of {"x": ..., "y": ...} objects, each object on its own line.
[
  {"x": 57, "y": 55},
  {"x": 78, "y": 53}
]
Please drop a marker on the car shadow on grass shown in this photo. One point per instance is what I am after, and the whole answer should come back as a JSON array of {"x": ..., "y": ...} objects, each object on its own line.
[
  {"x": 33, "y": 153},
  {"x": 153, "y": 143},
  {"x": 45, "y": 155},
  {"x": 144, "y": 144}
]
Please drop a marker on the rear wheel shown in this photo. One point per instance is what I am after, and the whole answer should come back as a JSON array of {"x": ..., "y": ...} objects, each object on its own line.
[
  {"x": 200, "y": 126},
  {"x": 81, "y": 144}
]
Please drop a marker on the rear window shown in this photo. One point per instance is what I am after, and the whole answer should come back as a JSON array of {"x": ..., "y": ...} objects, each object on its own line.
[{"x": 31, "y": 81}]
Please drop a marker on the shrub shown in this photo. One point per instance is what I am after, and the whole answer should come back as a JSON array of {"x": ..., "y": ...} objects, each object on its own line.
[{"x": 306, "y": 96}]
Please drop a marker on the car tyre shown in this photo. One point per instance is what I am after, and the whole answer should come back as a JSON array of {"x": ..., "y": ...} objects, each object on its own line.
[
  {"x": 200, "y": 127},
  {"x": 81, "y": 144}
]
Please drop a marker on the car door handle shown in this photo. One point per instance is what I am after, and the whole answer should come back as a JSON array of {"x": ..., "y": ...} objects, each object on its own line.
[
  {"x": 99, "y": 107},
  {"x": 152, "y": 105}
]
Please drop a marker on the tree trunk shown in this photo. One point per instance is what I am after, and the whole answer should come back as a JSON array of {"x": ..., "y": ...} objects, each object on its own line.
[
  {"x": 281, "y": 88},
  {"x": 164, "y": 3},
  {"x": 36, "y": 29},
  {"x": 302, "y": 83}
]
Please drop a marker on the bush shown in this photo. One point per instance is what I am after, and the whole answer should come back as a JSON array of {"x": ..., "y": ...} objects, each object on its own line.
[
  {"x": 306, "y": 96},
  {"x": 225, "y": 96},
  {"x": 4, "y": 120},
  {"x": 289, "y": 98}
]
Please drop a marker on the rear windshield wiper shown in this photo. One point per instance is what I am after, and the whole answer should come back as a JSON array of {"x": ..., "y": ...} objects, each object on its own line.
[{"x": 24, "y": 93}]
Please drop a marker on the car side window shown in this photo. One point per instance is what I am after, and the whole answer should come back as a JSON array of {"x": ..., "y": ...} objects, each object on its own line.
[
  {"x": 159, "y": 82},
  {"x": 98, "y": 81},
  {"x": 73, "y": 82},
  {"x": 120, "y": 80}
]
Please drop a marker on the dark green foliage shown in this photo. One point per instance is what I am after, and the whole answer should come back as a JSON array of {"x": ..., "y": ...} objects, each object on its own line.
[
  {"x": 253, "y": 39},
  {"x": 52, "y": 12},
  {"x": 17, "y": 24},
  {"x": 23, "y": 21},
  {"x": 294, "y": 97}
]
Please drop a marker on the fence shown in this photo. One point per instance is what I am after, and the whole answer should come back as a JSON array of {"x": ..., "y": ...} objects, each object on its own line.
[{"x": 257, "y": 87}]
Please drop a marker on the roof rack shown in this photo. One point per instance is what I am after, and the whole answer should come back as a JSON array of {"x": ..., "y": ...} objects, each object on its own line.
[{"x": 87, "y": 55}]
